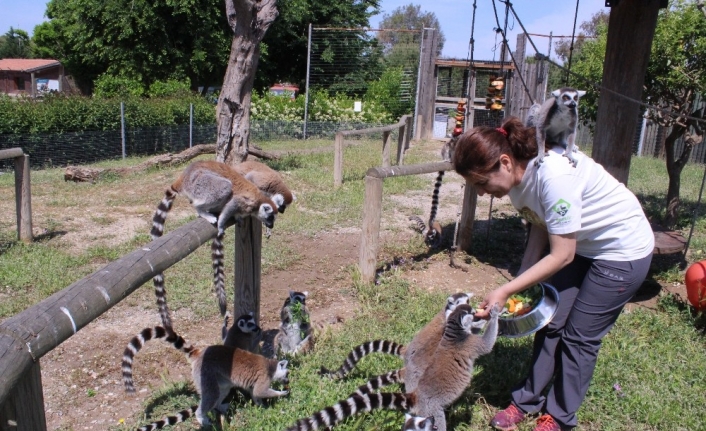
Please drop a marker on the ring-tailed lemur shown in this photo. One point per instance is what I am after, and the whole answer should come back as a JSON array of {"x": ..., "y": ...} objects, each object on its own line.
[
  {"x": 217, "y": 192},
  {"x": 416, "y": 354},
  {"x": 432, "y": 231},
  {"x": 443, "y": 382},
  {"x": 555, "y": 121},
  {"x": 418, "y": 423},
  {"x": 295, "y": 333},
  {"x": 269, "y": 181},
  {"x": 244, "y": 334},
  {"x": 215, "y": 371}
]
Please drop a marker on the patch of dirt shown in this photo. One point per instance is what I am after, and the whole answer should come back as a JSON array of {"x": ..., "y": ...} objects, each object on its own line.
[{"x": 82, "y": 382}]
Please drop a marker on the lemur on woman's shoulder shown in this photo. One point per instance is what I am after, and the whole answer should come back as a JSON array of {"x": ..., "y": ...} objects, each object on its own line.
[{"x": 555, "y": 122}]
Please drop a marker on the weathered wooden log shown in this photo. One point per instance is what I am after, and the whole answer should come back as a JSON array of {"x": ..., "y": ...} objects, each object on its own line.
[
  {"x": 29, "y": 335},
  {"x": 84, "y": 174}
]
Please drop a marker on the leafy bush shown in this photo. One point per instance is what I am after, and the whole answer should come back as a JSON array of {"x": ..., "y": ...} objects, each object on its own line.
[
  {"x": 170, "y": 88},
  {"x": 388, "y": 93},
  {"x": 322, "y": 107},
  {"x": 58, "y": 113},
  {"x": 110, "y": 86}
]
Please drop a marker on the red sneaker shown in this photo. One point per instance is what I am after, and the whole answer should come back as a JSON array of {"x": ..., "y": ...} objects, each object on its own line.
[
  {"x": 546, "y": 423},
  {"x": 507, "y": 420}
]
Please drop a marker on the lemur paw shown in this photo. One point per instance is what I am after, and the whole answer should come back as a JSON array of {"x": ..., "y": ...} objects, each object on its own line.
[
  {"x": 571, "y": 158},
  {"x": 209, "y": 217},
  {"x": 495, "y": 311}
]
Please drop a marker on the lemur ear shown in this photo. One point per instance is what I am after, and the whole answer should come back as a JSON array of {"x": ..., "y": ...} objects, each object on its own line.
[
  {"x": 407, "y": 416},
  {"x": 282, "y": 364},
  {"x": 556, "y": 93},
  {"x": 581, "y": 93}
]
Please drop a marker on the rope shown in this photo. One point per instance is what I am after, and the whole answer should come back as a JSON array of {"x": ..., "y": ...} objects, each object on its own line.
[
  {"x": 505, "y": 42},
  {"x": 571, "y": 47}
]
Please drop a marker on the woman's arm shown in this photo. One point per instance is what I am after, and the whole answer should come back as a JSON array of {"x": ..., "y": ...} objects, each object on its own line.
[{"x": 562, "y": 249}]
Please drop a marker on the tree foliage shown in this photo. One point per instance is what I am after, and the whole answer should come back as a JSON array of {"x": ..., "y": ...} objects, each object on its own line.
[
  {"x": 409, "y": 17},
  {"x": 284, "y": 48},
  {"x": 139, "y": 39},
  {"x": 15, "y": 44},
  {"x": 674, "y": 84}
]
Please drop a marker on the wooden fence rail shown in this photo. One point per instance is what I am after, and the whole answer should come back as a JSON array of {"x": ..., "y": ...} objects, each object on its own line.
[
  {"x": 372, "y": 211},
  {"x": 404, "y": 127},
  {"x": 23, "y": 194},
  {"x": 29, "y": 335}
]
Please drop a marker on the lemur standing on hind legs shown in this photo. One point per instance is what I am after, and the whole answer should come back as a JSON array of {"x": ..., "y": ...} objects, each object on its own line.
[
  {"x": 441, "y": 384},
  {"x": 555, "y": 121}
]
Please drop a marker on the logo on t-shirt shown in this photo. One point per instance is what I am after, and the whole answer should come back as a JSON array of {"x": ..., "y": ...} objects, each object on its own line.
[{"x": 561, "y": 207}]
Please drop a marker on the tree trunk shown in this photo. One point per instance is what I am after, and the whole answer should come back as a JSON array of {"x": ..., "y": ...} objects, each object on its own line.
[
  {"x": 249, "y": 20},
  {"x": 632, "y": 23},
  {"x": 674, "y": 167}
]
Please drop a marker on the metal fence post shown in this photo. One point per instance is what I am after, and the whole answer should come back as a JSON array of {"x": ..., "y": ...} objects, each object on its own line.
[
  {"x": 122, "y": 126},
  {"x": 306, "y": 96}
]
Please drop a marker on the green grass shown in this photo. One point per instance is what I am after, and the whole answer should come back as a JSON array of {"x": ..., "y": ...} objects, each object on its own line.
[{"x": 655, "y": 357}]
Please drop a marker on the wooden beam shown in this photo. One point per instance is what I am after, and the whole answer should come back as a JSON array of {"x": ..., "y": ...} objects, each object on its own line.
[
  {"x": 248, "y": 267},
  {"x": 631, "y": 24},
  {"x": 29, "y": 335},
  {"x": 24, "y": 408}
]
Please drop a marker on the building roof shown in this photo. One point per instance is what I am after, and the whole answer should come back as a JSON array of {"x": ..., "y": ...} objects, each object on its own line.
[{"x": 27, "y": 64}]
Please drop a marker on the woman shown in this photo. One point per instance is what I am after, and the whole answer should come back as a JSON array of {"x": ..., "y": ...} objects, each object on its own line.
[{"x": 600, "y": 249}]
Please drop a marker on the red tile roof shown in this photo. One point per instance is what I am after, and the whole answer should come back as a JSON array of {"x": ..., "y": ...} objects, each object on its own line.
[{"x": 26, "y": 64}]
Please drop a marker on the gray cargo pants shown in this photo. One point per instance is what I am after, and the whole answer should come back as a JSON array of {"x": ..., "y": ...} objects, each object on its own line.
[{"x": 592, "y": 294}]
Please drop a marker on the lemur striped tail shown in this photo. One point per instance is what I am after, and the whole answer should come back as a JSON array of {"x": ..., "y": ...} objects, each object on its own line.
[
  {"x": 377, "y": 382},
  {"x": 170, "y": 420},
  {"x": 139, "y": 340},
  {"x": 361, "y": 351},
  {"x": 418, "y": 224},
  {"x": 435, "y": 198},
  {"x": 160, "y": 216},
  {"x": 218, "y": 273},
  {"x": 353, "y": 405}
]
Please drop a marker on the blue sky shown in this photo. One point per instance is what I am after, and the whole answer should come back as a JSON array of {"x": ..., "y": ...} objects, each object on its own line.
[{"x": 538, "y": 16}]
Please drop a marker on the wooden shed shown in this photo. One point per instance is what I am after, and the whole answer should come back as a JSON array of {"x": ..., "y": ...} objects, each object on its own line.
[{"x": 30, "y": 76}]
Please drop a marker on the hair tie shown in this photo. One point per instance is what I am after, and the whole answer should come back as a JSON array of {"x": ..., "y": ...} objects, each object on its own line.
[{"x": 502, "y": 131}]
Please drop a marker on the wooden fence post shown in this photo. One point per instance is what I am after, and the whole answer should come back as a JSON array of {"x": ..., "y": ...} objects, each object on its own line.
[
  {"x": 401, "y": 137},
  {"x": 386, "y": 149},
  {"x": 23, "y": 198},
  {"x": 338, "y": 160},
  {"x": 408, "y": 131},
  {"x": 468, "y": 212},
  {"x": 24, "y": 408},
  {"x": 369, "y": 238},
  {"x": 248, "y": 263}
]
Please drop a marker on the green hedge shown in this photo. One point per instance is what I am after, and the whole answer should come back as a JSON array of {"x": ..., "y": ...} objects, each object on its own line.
[{"x": 59, "y": 114}]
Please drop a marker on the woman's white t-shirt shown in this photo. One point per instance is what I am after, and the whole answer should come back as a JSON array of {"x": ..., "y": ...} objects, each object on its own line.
[{"x": 607, "y": 218}]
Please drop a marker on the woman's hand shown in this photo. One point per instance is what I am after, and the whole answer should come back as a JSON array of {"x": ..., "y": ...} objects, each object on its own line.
[{"x": 497, "y": 296}]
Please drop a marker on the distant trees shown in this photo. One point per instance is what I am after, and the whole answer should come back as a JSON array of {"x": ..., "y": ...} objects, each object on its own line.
[
  {"x": 409, "y": 17},
  {"x": 284, "y": 48},
  {"x": 140, "y": 39},
  {"x": 15, "y": 44}
]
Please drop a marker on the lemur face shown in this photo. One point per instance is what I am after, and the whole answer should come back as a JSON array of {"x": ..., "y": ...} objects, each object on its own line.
[
  {"x": 569, "y": 96},
  {"x": 247, "y": 324}
]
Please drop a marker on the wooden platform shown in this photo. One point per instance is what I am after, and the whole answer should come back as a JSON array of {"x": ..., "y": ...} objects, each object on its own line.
[{"x": 668, "y": 241}]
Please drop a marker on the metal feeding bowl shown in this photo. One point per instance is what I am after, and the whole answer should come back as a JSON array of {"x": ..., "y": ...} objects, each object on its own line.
[{"x": 533, "y": 321}]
